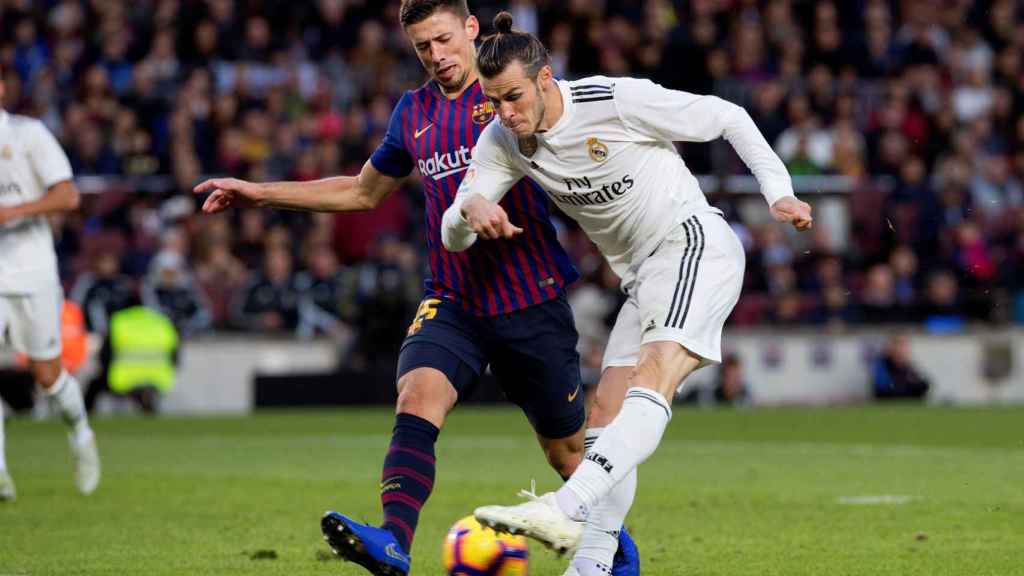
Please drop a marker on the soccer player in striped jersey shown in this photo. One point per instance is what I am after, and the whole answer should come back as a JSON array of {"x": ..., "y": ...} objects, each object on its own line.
[
  {"x": 603, "y": 150},
  {"x": 500, "y": 303}
]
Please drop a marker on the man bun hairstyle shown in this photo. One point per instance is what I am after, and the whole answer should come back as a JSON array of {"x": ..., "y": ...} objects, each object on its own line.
[
  {"x": 507, "y": 45},
  {"x": 503, "y": 22},
  {"x": 415, "y": 11}
]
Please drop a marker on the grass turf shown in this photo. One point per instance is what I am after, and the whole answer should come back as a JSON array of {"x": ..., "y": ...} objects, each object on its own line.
[{"x": 728, "y": 493}]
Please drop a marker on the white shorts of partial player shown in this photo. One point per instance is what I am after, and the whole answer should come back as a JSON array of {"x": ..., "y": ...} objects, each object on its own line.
[{"x": 32, "y": 321}]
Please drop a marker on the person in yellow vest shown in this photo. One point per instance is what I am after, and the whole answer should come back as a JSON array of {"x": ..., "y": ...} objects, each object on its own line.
[{"x": 139, "y": 358}]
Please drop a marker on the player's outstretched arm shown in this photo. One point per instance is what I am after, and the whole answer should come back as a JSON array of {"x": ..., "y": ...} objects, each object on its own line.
[
  {"x": 645, "y": 105},
  {"x": 61, "y": 197},
  {"x": 337, "y": 194}
]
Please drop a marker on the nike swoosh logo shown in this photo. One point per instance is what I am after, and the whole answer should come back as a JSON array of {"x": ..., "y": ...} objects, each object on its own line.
[
  {"x": 420, "y": 132},
  {"x": 392, "y": 551},
  {"x": 573, "y": 395}
]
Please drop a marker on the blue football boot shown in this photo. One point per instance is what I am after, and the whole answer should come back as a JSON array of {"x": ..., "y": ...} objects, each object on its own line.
[
  {"x": 627, "y": 557},
  {"x": 373, "y": 548}
]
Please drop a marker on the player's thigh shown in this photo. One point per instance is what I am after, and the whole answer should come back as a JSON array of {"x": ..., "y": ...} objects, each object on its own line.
[
  {"x": 440, "y": 361},
  {"x": 685, "y": 292},
  {"x": 533, "y": 355}
]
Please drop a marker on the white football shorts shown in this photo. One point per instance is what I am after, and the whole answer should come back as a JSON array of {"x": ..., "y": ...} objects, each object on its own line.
[
  {"x": 683, "y": 293},
  {"x": 32, "y": 322}
]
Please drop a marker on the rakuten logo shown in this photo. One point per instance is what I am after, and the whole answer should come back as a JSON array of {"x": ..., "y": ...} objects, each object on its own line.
[{"x": 442, "y": 165}]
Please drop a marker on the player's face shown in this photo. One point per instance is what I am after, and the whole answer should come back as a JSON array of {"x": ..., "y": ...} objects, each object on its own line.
[
  {"x": 517, "y": 98},
  {"x": 444, "y": 44}
]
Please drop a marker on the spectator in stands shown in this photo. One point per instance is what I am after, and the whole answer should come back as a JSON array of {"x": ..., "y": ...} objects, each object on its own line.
[
  {"x": 920, "y": 103},
  {"x": 170, "y": 290},
  {"x": 729, "y": 388},
  {"x": 878, "y": 300},
  {"x": 101, "y": 291},
  {"x": 270, "y": 302},
  {"x": 322, "y": 286},
  {"x": 386, "y": 294},
  {"x": 904, "y": 265},
  {"x": 941, "y": 308},
  {"x": 731, "y": 385},
  {"x": 894, "y": 375}
]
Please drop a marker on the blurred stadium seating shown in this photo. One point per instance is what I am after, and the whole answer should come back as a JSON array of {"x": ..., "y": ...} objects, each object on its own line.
[{"x": 901, "y": 121}]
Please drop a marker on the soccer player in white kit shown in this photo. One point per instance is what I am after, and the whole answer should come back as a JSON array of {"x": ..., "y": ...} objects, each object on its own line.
[
  {"x": 35, "y": 180},
  {"x": 603, "y": 149}
]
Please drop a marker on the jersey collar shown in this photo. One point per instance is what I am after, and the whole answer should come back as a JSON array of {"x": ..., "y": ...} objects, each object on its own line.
[
  {"x": 467, "y": 95},
  {"x": 568, "y": 109},
  {"x": 3, "y": 117}
]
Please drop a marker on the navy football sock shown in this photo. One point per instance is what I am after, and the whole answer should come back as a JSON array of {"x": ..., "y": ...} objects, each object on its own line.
[{"x": 408, "y": 476}]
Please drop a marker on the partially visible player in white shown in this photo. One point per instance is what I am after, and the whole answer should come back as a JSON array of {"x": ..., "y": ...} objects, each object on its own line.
[
  {"x": 603, "y": 149},
  {"x": 35, "y": 180}
]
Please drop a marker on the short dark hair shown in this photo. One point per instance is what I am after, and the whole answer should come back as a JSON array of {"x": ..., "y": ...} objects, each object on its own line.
[
  {"x": 415, "y": 11},
  {"x": 506, "y": 45}
]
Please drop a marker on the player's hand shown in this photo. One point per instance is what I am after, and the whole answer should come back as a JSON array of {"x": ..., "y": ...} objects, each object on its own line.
[
  {"x": 227, "y": 193},
  {"x": 488, "y": 219},
  {"x": 793, "y": 211}
]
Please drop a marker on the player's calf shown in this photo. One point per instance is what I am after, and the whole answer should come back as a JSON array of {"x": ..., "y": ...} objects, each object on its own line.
[{"x": 564, "y": 454}]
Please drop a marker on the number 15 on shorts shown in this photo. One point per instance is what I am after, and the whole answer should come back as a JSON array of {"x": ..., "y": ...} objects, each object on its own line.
[{"x": 426, "y": 311}]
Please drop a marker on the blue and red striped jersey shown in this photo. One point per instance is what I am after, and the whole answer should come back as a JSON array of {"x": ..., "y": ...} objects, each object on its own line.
[{"x": 436, "y": 134}]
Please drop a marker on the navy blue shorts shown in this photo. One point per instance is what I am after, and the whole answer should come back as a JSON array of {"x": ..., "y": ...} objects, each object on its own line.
[{"x": 531, "y": 352}]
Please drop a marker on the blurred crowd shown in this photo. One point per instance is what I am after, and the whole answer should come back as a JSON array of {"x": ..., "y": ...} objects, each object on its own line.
[{"x": 917, "y": 102}]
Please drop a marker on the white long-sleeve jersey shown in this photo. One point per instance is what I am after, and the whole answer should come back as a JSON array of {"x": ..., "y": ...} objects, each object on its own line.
[
  {"x": 609, "y": 163},
  {"x": 31, "y": 161}
]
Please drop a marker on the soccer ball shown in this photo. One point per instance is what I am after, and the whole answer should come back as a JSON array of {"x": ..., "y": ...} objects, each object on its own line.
[{"x": 472, "y": 550}]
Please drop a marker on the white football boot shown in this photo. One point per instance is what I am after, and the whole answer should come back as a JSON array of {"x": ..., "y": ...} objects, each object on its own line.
[
  {"x": 540, "y": 518},
  {"x": 7, "y": 491},
  {"x": 87, "y": 464},
  {"x": 571, "y": 571}
]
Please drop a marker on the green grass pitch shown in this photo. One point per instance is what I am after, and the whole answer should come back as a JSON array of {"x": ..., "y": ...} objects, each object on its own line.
[{"x": 763, "y": 492}]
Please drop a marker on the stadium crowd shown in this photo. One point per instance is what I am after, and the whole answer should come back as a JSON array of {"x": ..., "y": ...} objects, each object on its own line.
[{"x": 918, "y": 103}]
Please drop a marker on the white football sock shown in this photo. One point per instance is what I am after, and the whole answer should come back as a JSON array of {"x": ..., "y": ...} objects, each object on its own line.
[
  {"x": 588, "y": 567},
  {"x": 600, "y": 538},
  {"x": 629, "y": 440},
  {"x": 3, "y": 453},
  {"x": 66, "y": 397}
]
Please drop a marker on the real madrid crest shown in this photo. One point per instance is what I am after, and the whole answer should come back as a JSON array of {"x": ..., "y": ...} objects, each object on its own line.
[
  {"x": 598, "y": 150},
  {"x": 5, "y": 152},
  {"x": 483, "y": 113}
]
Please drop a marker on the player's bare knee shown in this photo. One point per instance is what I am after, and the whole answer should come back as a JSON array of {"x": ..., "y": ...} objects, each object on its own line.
[
  {"x": 45, "y": 372},
  {"x": 663, "y": 366},
  {"x": 426, "y": 395}
]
